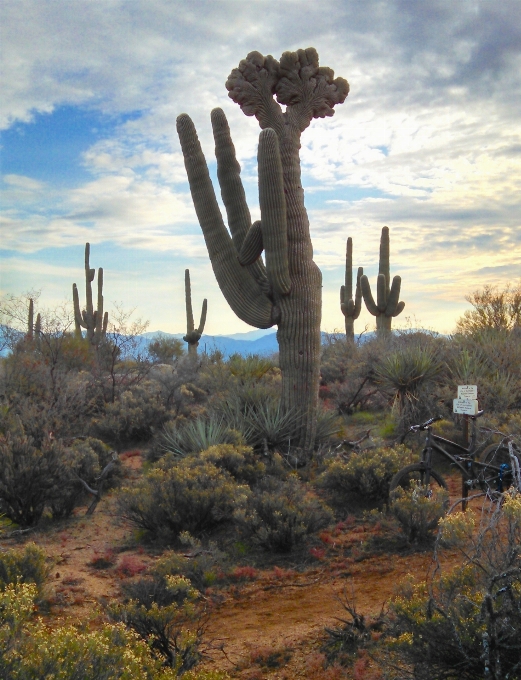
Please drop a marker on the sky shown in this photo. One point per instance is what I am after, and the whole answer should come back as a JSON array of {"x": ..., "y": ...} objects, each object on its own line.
[{"x": 428, "y": 143}]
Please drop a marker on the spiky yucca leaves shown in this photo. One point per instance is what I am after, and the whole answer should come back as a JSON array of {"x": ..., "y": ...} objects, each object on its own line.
[
  {"x": 286, "y": 288},
  {"x": 94, "y": 321},
  {"x": 404, "y": 375},
  {"x": 351, "y": 308},
  {"x": 192, "y": 336},
  {"x": 386, "y": 306}
]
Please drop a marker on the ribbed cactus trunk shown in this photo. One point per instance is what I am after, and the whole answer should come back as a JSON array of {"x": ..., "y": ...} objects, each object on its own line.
[
  {"x": 350, "y": 308},
  {"x": 192, "y": 336},
  {"x": 93, "y": 320},
  {"x": 387, "y": 295},
  {"x": 285, "y": 289}
]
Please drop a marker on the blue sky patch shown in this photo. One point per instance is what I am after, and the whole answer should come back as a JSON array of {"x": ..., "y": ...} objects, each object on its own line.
[{"x": 50, "y": 148}]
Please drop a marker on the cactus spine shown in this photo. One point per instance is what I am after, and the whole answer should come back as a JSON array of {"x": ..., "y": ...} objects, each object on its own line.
[
  {"x": 285, "y": 288},
  {"x": 94, "y": 321},
  {"x": 387, "y": 296},
  {"x": 351, "y": 308},
  {"x": 192, "y": 336}
]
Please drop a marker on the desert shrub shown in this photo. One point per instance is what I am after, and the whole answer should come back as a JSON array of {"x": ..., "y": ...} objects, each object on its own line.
[
  {"x": 193, "y": 495},
  {"x": 418, "y": 512},
  {"x": 239, "y": 461},
  {"x": 166, "y": 627},
  {"x": 132, "y": 417},
  {"x": 279, "y": 515},
  {"x": 29, "y": 649},
  {"x": 24, "y": 565},
  {"x": 366, "y": 474},
  {"x": 467, "y": 623},
  {"x": 31, "y": 477},
  {"x": 87, "y": 458},
  {"x": 203, "y": 568}
]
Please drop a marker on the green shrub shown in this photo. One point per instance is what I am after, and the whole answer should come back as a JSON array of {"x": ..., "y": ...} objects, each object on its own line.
[
  {"x": 366, "y": 474},
  {"x": 132, "y": 417},
  {"x": 239, "y": 461},
  {"x": 419, "y": 512},
  {"x": 467, "y": 623},
  {"x": 193, "y": 495},
  {"x": 165, "y": 625},
  {"x": 31, "y": 477},
  {"x": 24, "y": 565},
  {"x": 280, "y": 515},
  {"x": 203, "y": 567},
  {"x": 86, "y": 459}
]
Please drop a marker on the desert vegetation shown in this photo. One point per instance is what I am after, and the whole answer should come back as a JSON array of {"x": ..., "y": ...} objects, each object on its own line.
[
  {"x": 194, "y": 455},
  {"x": 195, "y": 485}
]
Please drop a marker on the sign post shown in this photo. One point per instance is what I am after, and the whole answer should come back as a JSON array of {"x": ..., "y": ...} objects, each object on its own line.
[{"x": 467, "y": 405}]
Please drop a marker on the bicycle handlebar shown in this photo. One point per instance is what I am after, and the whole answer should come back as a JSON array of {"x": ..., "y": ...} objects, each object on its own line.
[{"x": 425, "y": 425}]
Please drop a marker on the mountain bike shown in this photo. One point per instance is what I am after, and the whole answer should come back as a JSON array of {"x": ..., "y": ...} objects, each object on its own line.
[{"x": 492, "y": 472}]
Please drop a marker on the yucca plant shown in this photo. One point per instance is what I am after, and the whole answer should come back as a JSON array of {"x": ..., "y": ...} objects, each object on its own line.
[
  {"x": 198, "y": 435},
  {"x": 404, "y": 375}
]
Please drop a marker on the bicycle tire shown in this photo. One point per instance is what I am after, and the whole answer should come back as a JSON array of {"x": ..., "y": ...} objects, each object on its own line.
[
  {"x": 497, "y": 455},
  {"x": 414, "y": 475}
]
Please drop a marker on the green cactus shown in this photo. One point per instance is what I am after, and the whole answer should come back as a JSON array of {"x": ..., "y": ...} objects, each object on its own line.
[
  {"x": 351, "y": 308},
  {"x": 33, "y": 329},
  {"x": 387, "y": 296},
  {"x": 286, "y": 288},
  {"x": 192, "y": 336},
  {"x": 94, "y": 321}
]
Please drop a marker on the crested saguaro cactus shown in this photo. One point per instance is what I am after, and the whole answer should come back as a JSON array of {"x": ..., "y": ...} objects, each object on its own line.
[
  {"x": 94, "y": 321},
  {"x": 387, "y": 296},
  {"x": 351, "y": 308},
  {"x": 192, "y": 336},
  {"x": 285, "y": 289}
]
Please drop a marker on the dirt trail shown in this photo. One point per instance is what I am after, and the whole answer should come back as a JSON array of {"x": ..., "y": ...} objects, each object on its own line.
[{"x": 279, "y": 610}]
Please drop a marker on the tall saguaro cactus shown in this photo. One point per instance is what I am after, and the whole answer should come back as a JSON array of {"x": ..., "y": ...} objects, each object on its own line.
[
  {"x": 33, "y": 328},
  {"x": 192, "y": 336},
  {"x": 351, "y": 308},
  {"x": 285, "y": 289},
  {"x": 94, "y": 321},
  {"x": 387, "y": 296}
]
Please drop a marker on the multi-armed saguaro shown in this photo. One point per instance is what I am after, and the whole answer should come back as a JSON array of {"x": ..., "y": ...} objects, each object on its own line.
[
  {"x": 94, "y": 321},
  {"x": 351, "y": 308},
  {"x": 192, "y": 336},
  {"x": 286, "y": 288},
  {"x": 387, "y": 296}
]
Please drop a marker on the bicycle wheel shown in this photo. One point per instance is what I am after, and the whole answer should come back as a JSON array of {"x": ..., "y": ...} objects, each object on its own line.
[
  {"x": 420, "y": 502},
  {"x": 499, "y": 477}
]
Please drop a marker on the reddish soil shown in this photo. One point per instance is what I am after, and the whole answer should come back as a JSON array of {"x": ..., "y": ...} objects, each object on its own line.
[{"x": 280, "y": 610}]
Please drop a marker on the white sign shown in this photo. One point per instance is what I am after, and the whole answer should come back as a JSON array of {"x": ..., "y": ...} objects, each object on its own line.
[
  {"x": 468, "y": 407},
  {"x": 467, "y": 391}
]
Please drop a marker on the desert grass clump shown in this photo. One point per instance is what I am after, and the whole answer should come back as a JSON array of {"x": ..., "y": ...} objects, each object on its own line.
[
  {"x": 191, "y": 495},
  {"x": 280, "y": 515}
]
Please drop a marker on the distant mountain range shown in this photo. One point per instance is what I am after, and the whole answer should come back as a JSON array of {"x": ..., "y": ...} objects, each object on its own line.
[{"x": 261, "y": 342}]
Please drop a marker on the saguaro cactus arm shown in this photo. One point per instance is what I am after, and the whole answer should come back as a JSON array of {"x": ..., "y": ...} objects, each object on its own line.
[
  {"x": 241, "y": 291},
  {"x": 192, "y": 336},
  {"x": 351, "y": 308}
]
